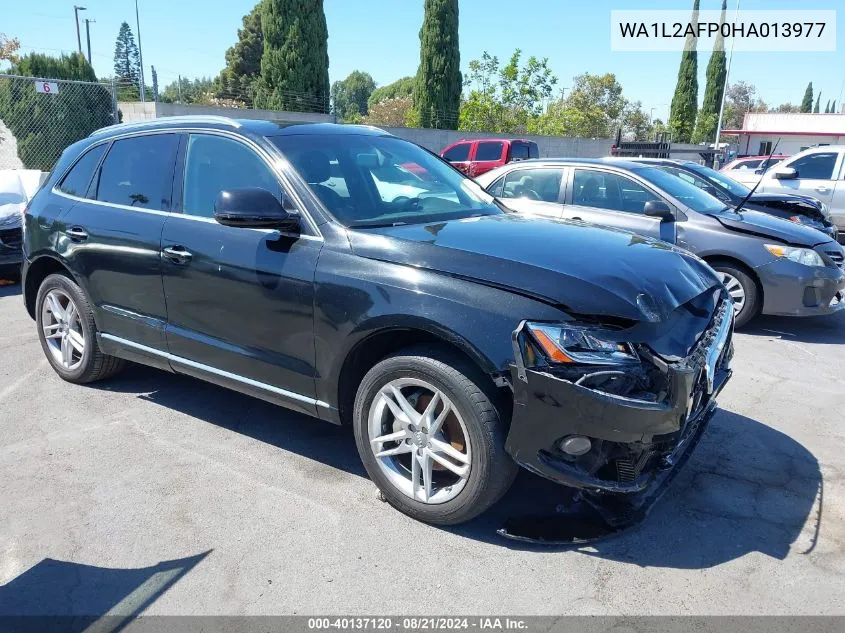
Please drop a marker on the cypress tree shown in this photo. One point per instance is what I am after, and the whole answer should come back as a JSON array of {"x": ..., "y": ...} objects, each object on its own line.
[
  {"x": 295, "y": 61},
  {"x": 243, "y": 59},
  {"x": 708, "y": 116},
  {"x": 807, "y": 102},
  {"x": 685, "y": 101},
  {"x": 437, "y": 91},
  {"x": 833, "y": 107},
  {"x": 827, "y": 107},
  {"x": 818, "y": 103}
]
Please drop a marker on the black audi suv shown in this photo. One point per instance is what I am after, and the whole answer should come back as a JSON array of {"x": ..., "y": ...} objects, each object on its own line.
[{"x": 353, "y": 276}]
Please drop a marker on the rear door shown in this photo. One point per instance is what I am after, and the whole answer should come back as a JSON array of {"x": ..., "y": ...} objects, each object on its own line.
[
  {"x": 612, "y": 199},
  {"x": 538, "y": 190},
  {"x": 488, "y": 155},
  {"x": 112, "y": 235},
  {"x": 459, "y": 155}
]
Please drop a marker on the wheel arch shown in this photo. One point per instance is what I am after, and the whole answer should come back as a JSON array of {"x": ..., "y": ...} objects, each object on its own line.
[
  {"x": 715, "y": 260},
  {"x": 37, "y": 271},
  {"x": 381, "y": 342}
]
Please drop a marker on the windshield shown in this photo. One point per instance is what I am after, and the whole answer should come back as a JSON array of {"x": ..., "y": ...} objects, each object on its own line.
[
  {"x": 689, "y": 194},
  {"x": 367, "y": 181},
  {"x": 736, "y": 188}
]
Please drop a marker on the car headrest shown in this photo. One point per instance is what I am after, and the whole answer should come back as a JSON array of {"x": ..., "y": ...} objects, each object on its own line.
[{"x": 314, "y": 166}]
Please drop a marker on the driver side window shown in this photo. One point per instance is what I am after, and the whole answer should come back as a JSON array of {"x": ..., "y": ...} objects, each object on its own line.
[
  {"x": 532, "y": 184},
  {"x": 604, "y": 190},
  {"x": 214, "y": 163}
]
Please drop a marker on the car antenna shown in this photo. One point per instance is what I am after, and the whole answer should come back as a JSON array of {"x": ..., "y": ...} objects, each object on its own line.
[{"x": 757, "y": 184}]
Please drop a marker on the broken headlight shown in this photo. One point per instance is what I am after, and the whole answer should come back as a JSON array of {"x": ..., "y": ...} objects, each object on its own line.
[{"x": 581, "y": 344}]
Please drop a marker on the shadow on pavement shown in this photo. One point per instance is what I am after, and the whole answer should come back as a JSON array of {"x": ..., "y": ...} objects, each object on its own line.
[
  {"x": 323, "y": 442},
  {"x": 746, "y": 488},
  {"x": 821, "y": 329},
  {"x": 57, "y": 595}
]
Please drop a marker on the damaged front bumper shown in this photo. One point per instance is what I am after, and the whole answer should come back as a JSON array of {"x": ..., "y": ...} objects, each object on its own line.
[{"x": 635, "y": 443}]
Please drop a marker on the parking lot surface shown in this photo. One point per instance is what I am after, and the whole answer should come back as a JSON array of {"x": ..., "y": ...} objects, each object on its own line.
[{"x": 161, "y": 493}]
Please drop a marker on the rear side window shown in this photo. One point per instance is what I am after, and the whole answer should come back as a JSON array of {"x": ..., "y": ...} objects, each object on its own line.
[
  {"x": 524, "y": 151},
  {"x": 138, "y": 172},
  {"x": 79, "y": 177},
  {"x": 214, "y": 163},
  {"x": 817, "y": 166},
  {"x": 457, "y": 153},
  {"x": 489, "y": 151},
  {"x": 533, "y": 184},
  {"x": 748, "y": 164}
]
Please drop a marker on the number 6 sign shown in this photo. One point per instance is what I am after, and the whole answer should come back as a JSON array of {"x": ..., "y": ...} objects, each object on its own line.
[{"x": 47, "y": 87}]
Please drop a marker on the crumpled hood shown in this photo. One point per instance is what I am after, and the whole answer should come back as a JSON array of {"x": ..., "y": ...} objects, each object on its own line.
[
  {"x": 800, "y": 205},
  {"x": 766, "y": 225},
  {"x": 584, "y": 268}
]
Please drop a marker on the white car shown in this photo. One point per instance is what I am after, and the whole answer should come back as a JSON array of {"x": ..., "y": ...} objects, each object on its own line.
[{"x": 818, "y": 172}]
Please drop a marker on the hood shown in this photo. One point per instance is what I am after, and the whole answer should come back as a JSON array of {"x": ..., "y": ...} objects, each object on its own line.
[
  {"x": 799, "y": 205},
  {"x": 582, "y": 268},
  {"x": 769, "y": 226}
]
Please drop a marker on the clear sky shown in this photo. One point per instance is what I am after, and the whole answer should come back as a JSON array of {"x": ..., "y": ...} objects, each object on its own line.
[{"x": 189, "y": 37}]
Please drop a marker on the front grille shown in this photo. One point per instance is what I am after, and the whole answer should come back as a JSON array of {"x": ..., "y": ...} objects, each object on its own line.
[
  {"x": 11, "y": 237},
  {"x": 837, "y": 257}
]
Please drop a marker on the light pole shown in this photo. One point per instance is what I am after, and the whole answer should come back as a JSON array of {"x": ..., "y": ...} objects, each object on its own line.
[
  {"x": 725, "y": 89},
  {"x": 140, "y": 54},
  {"x": 88, "y": 37},
  {"x": 76, "y": 10}
]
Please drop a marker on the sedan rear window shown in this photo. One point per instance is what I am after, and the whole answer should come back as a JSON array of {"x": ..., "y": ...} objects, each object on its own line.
[{"x": 382, "y": 181}]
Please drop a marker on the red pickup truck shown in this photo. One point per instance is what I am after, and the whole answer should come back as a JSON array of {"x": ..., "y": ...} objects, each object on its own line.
[{"x": 475, "y": 157}]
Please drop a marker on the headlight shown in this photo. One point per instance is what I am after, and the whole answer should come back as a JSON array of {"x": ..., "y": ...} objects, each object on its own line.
[
  {"x": 806, "y": 256},
  {"x": 564, "y": 343}
]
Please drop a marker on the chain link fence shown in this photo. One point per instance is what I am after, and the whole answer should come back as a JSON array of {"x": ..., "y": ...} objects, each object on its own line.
[{"x": 39, "y": 118}]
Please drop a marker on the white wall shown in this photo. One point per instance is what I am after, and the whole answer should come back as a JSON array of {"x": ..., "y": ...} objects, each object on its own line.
[{"x": 789, "y": 144}]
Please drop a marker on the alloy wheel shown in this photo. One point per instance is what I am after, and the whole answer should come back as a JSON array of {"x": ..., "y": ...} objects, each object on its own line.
[
  {"x": 735, "y": 290},
  {"x": 419, "y": 440},
  {"x": 62, "y": 327}
]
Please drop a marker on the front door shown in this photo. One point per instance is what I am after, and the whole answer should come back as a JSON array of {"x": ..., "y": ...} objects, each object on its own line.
[
  {"x": 239, "y": 300},
  {"x": 816, "y": 175},
  {"x": 611, "y": 199}
]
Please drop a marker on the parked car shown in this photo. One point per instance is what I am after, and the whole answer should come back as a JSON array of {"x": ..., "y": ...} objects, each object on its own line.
[
  {"x": 769, "y": 265},
  {"x": 818, "y": 172},
  {"x": 17, "y": 186},
  {"x": 799, "y": 209},
  {"x": 748, "y": 169},
  {"x": 448, "y": 331},
  {"x": 480, "y": 156}
]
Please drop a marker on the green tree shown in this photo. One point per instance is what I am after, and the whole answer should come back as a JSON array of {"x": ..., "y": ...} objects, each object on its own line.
[
  {"x": 786, "y": 108},
  {"x": 740, "y": 99},
  {"x": 708, "y": 116},
  {"x": 350, "y": 96},
  {"x": 243, "y": 60},
  {"x": 833, "y": 107},
  {"x": 127, "y": 64},
  {"x": 45, "y": 124},
  {"x": 8, "y": 48},
  {"x": 295, "y": 61},
  {"x": 818, "y": 103},
  {"x": 594, "y": 108},
  {"x": 437, "y": 93},
  {"x": 403, "y": 87},
  {"x": 807, "y": 102},
  {"x": 685, "y": 101},
  {"x": 505, "y": 98},
  {"x": 393, "y": 112},
  {"x": 200, "y": 91}
]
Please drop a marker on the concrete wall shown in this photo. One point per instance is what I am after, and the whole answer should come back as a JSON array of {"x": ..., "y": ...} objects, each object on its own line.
[
  {"x": 550, "y": 146},
  {"x": 137, "y": 111}
]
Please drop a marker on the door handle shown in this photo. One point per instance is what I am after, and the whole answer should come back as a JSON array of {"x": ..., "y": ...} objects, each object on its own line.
[
  {"x": 176, "y": 254},
  {"x": 576, "y": 218},
  {"x": 822, "y": 189},
  {"x": 77, "y": 233}
]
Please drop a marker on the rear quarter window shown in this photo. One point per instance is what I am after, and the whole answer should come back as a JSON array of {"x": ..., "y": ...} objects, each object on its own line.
[
  {"x": 489, "y": 151},
  {"x": 78, "y": 179},
  {"x": 457, "y": 152}
]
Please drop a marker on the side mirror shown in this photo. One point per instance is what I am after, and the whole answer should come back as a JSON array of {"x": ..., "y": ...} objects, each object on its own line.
[
  {"x": 254, "y": 208},
  {"x": 785, "y": 173},
  {"x": 658, "y": 209}
]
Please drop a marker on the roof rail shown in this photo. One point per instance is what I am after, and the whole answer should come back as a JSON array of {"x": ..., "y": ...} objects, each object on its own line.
[{"x": 186, "y": 119}]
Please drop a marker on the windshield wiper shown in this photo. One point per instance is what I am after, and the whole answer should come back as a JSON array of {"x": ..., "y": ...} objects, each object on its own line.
[
  {"x": 375, "y": 225},
  {"x": 757, "y": 184}
]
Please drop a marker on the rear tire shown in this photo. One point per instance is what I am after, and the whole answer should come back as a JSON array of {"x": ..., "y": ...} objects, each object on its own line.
[
  {"x": 478, "y": 471},
  {"x": 743, "y": 291},
  {"x": 68, "y": 333}
]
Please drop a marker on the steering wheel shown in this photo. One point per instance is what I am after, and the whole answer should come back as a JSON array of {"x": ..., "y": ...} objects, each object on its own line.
[{"x": 528, "y": 193}]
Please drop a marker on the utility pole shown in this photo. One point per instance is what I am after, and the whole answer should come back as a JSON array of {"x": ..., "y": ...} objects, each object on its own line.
[
  {"x": 88, "y": 37},
  {"x": 76, "y": 10},
  {"x": 179, "y": 87},
  {"x": 725, "y": 90},
  {"x": 140, "y": 54}
]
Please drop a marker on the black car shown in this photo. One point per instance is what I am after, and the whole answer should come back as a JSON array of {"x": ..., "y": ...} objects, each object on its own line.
[
  {"x": 457, "y": 338},
  {"x": 795, "y": 208}
]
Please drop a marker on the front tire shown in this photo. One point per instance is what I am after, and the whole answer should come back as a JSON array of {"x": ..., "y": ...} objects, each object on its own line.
[
  {"x": 431, "y": 438},
  {"x": 68, "y": 333},
  {"x": 743, "y": 291}
]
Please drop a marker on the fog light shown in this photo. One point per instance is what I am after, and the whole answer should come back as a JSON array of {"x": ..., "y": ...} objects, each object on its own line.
[{"x": 575, "y": 445}]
